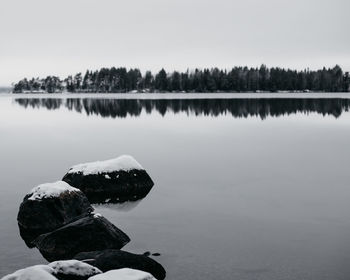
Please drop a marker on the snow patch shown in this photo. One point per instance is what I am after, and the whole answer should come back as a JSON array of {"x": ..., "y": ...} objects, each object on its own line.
[
  {"x": 37, "y": 272},
  {"x": 74, "y": 267},
  {"x": 97, "y": 215},
  {"x": 122, "y": 163},
  {"x": 51, "y": 190},
  {"x": 124, "y": 274}
]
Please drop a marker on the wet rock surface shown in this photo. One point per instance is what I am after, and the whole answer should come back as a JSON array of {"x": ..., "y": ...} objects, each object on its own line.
[
  {"x": 87, "y": 234},
  {"x": 116, "y": 259}
]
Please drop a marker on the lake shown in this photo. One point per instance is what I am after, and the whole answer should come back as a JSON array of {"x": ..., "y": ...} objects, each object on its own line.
[{"x": 246, "y": 186}]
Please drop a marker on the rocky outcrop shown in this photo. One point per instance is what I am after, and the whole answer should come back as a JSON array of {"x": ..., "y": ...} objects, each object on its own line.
[
  {"x": 87, "y": 234},
  {"x": 116, "y": 259},
  {"x": 58, "y": 219},
  {"x": 116, "y": 180},
  {"x": 48, "y": 207}
]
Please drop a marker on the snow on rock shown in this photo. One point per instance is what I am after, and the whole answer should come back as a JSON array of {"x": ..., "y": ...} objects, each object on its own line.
[
  {"x": 97, "y": 215},
  {"x": 37, "y": 272},
  {"x": 123, "y": 274},
  {"x": 51, "y": 190},
  {"x": 116, "y": 180},
  {"x": 122, "y": 163},
  {"x": 73, "y": 268}
]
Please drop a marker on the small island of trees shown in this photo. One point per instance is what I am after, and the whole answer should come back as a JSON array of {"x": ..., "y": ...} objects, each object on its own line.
[{"x": 238, "y": 79}]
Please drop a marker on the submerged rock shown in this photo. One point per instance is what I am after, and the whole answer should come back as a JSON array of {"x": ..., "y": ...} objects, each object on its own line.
[
  {"x": 37, "y": 272},
  {"x": 123, "y": 274},
  {"x": 156, "y": 254},
  {"x": 73, "y": 270},
  {"x": 116, "y": 180},
  {"x": 48, "y": 207},
  {"x": 116, "y": 259},
  {"x": 87, "y": 234}
]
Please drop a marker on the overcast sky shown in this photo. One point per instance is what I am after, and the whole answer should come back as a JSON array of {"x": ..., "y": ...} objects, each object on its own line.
[{"x": 42, "y": 37}]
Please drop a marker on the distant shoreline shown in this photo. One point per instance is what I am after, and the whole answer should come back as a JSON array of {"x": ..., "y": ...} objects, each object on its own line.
[{"x": 237, "y": 79}]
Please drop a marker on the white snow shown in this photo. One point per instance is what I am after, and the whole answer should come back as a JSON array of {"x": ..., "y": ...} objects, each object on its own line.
[
  {"x": 51, "y": 190},
  {"x": 123, "y": 274},
  {"x": 74, "y": 267},
  {"x": 122, "y": 163},
  {"x": 37, "y": 272},
  {"x": 97, "y": 215}
]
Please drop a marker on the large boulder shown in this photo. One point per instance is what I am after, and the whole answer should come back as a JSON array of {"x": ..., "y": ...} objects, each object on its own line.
[
  {"x": 48, "y": 207},
  {"x": 116, "y": 259},
  {"x": 123, "y": 274},
  {"x": 87, "y": 234},
  {"x": 116, "y": 180},
  {"x": 37, "y": 272},
  {"x": 73, "y": 270}
]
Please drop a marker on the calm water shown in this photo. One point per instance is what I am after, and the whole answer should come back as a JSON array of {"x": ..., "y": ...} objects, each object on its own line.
[{"x": 244, "y": 188}]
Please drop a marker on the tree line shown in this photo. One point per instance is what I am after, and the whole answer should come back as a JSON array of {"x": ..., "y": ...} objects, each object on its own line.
[{"x": 237, "y": 79}]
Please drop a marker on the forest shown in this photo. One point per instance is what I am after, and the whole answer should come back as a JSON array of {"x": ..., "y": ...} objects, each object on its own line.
[{"x": 238, "y": 79}]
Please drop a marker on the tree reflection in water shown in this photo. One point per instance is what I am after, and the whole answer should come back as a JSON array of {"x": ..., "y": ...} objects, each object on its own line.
[{"x": 238, "y": 108}]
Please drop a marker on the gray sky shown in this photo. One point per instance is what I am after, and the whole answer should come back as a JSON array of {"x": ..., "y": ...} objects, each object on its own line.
[{"x": 42, "y": 37}]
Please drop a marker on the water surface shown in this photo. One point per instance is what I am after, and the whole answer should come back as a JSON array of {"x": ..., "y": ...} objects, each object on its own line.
[{"x": 245, "y": 188}]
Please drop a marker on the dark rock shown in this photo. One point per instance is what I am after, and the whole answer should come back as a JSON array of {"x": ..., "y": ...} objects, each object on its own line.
[
  {"x": 111, "y": 186},
  {"x": 116, "y": 259},
  {"x": 40, "y": 213},
  {"x": 147, "y": 254},
  {"x": 87, "y": 234},
  {"x": 156, "y": 254}
]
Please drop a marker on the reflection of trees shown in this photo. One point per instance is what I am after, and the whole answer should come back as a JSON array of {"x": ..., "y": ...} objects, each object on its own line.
[
  {"x": 48, "y": 103},
  {"x": 238, "y": 108}
]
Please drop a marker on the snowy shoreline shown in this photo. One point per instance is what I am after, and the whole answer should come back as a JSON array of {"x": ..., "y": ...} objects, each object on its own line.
[{"x": 159, "y": 96}]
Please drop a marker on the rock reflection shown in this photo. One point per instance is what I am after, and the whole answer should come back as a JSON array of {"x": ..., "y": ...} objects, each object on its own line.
[
  {"x": 122, "y": 207},
  {"x": 238, "y": 108}
]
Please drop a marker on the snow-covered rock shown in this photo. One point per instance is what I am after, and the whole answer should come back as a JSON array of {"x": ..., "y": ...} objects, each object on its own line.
[
  {"x": 90, "y": 233},
  {"x": 65, "y": 270},
  {"x": 37, "y": 272},
  {"x": 123, "y": 274},
  {"x": 48, "y": 207},
  {"x": 50, "y": 190},
  {"x": 122, "y": 163},
  {"x": 116, "y": 259},
  {"x": 113, "y": 181},
  {"x": 62, "y": 270}
]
